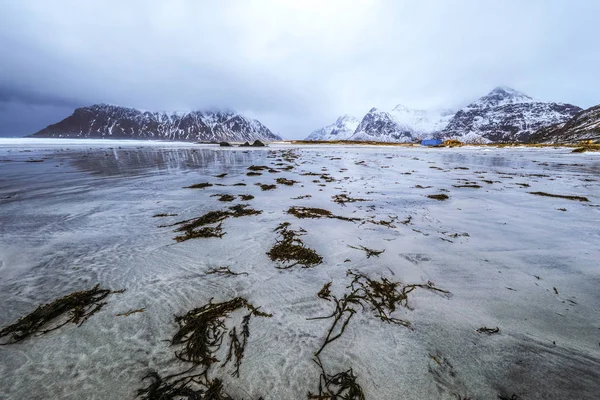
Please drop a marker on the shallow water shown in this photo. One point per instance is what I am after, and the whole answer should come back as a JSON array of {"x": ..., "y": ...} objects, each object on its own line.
[{"x": 85, "y": 215}]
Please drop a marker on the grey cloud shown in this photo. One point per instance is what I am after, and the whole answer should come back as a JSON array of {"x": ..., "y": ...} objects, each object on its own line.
[{"x": 296, "y": 65}]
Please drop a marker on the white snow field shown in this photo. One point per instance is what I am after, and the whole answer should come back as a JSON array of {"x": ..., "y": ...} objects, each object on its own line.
[{"x": 528, "y": 264}]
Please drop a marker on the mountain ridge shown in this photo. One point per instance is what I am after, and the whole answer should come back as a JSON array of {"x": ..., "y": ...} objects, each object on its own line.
[
  {"x": 502, "y": 115},
  {"x": 585, "y": 125},
  {"x": 118, "y": 122}
]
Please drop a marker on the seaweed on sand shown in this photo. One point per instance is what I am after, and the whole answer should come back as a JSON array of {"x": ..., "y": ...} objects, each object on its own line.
[
  {"x": 381, "y": 296},
  {"x": 224, "y": 197},
  {"x": 389, "y": 224},
  {"x": 76, "y": 307},
  {"x": 211, "y": 217},
  {"x": 342, "y": 386},
  {"x": 196, "y": 227},
  {"x": 312, "y": 212},
  {"x": 198, "y": 185},
  {"x": 203, "y": 232},
  {"x": 163, "y": 215},
  {"x": 344, "y": 198},
  {"x": 468, "y": 186},
  {"x": 201, "y": 334},
  {"x": 201, "y": 330},
  {"x": 246, "y": 197},
  {"x": 487, "y": 330},
  {"x": 242, "y": 210},
  {"x": 579, "y": 198},
  {"x": 265, "y": 187},
  {"x": 258, "y": 168},
  {"x": 188, "y": 387},
  {"x": 287, "y": 182},
  {"x": 131, "y": 312},
  {"x": 252, "y": 173},
  {"x": 370, "y": 252},
  {"x": 440, "y": 197},
  {"x": 290, "y": 251},
  {"x": 223, "y": 271}
]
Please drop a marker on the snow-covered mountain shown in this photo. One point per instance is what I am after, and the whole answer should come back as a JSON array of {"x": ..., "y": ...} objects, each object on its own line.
[
  {"x": 505, "y": 115},
  {"x": 341, "y": 129},
  {"x": 381, "y": 126},
  {"x": 114, "y": 122},
  {"x": 585, "y": 125},
  {"x": 402, "y": 124}
]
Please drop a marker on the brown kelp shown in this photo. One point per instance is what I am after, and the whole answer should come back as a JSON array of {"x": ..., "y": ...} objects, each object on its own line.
[
  {"x": 290, "y": 251},
  {"x": 76, "y": 308},
  {"x": 370, "y": 252},
  {"x": 342, "y": 386},
  {"x": 382, "y": 297},
  {"x": 200, "y": 335},
  {"x": 312, "y": 212},
  {"x": 197, "y": 227}
]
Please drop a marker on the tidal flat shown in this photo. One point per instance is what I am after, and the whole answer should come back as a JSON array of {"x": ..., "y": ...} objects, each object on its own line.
[{"x": 299, "y": 271}]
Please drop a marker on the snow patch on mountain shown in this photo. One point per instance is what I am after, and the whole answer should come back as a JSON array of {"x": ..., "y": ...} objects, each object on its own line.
[{"x": 341, "y": 129}]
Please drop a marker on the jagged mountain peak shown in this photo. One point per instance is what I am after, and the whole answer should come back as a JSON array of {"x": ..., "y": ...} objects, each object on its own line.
[
  {"x": 501, "y": 96},
  {"x": 506, "y": 115}
]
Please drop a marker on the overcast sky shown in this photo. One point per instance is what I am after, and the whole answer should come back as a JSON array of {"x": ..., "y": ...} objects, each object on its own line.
[{"x": 294, "y": 65}]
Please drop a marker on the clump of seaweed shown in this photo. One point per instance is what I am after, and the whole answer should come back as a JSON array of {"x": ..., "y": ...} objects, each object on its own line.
[
  {"x": 327, "y": 178},
  {"x": 290, "y": 251},
  {"x": 306, "y": 196},
  {"x": 203, "y": 232},
  {"x": 560, "y": 196},
  {"x": 76, "y": 308},
  {"x": 163, "y": 215},
  {"x": 224, "y": 197},
  {"x": 287, "y": 182},
  {"x": 258, "y": 168},
  {"x": 251, "y": 173},
  {"x": 197, "y": 227},
  {"x": 487, "y": 330},
  {"x": 440, "y": 197},
  {"x": 382, "y": 297},
  {"x": 242, "y": 210},
  {"x": 246, "y": 197},
  {"x": 201, "y": 330},
  {"x": 370, "y": 252},
  {"x": 198, "y": 185},
  {"x": 211, "y": 217},
  {"x": 265, "y": 187},
  {"x": 223, "y": 175},
  {"x": 200, "y": 335},
  {"x": 344, "y": 198},
  {"x": 342, "y": 386},
  {"x": 312, "y": 212}
]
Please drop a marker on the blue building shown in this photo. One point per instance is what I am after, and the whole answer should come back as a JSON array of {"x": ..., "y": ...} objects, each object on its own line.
[{"x": 431, "y": 142}]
